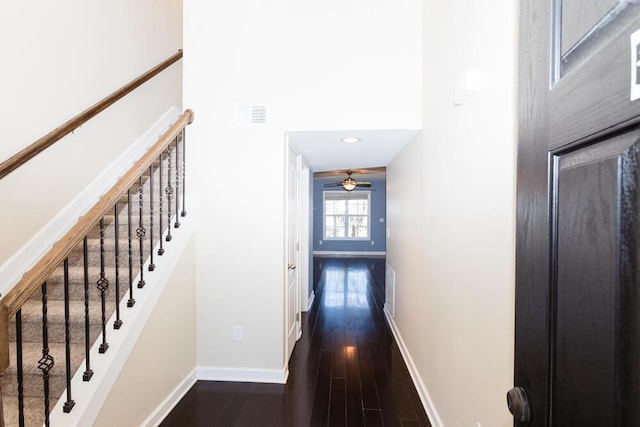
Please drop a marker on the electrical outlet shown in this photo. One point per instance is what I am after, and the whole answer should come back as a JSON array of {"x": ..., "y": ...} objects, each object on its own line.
[
  {"x": 373, "y": 243},
  {"x": 237, "y": 333}
]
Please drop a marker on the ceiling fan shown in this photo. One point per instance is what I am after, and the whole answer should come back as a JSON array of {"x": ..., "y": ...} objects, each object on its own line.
[{"x": 349, "y": 184}]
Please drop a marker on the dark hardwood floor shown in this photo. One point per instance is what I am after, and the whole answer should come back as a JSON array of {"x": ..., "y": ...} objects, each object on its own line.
[{"x": 346, "y": 370}]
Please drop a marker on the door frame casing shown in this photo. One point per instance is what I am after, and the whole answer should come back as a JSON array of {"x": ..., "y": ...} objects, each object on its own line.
[
  {"x": 304, "y": 223},
  {"x": 297, "y": 161}
]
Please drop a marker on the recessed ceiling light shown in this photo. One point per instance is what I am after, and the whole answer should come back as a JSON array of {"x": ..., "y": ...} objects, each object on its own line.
[{"x": 350, "y": 139}]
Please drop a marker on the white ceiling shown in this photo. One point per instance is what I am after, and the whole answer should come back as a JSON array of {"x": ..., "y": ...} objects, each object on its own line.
[{"x": 324, "y": 151}]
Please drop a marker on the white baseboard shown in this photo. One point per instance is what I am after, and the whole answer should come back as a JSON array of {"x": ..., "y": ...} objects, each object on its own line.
[
  {"x": 312, "y": 298},
  {"x": 274, "y": 376},
  {"x": 12, "y": 270},
  {"x": 171, "y": 401},
  {"x": 429, "y": 407},
  {"x": 338, "y": 254}
]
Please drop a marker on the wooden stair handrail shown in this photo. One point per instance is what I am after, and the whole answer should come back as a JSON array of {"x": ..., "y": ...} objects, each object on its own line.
[
  {"x": 26, "y": 154},
  {"x": 33, "y": 279}
]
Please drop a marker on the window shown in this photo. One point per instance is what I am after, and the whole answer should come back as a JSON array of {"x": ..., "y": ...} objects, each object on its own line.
[{"x": 346, "y": 215}]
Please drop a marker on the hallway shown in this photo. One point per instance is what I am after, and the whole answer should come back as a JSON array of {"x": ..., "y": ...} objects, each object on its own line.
[{"x": 346, "y": 370}]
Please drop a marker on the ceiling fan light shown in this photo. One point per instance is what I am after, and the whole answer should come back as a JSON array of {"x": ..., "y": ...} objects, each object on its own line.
[
  {"x": 349, "y": 184},
  {"x": 350, "y": 139}
]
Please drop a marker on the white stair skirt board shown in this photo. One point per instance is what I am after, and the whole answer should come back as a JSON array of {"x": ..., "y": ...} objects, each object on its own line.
[
  {"x": 429, "y": 407},
  {"x": 273, "y": 376},
  {"x": 12, "y": 270},
  {"x": 161, "y": 412},
  {"x": 338, "y": 254},
  {"x": 90, "y": 396}
]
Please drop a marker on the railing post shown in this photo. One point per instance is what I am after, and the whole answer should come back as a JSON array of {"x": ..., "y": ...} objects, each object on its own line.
[
  {"x": 131, "y": 302},
  {"x": 88, "y": 372},
  {"x": 169, "y": 191},
  {"x": 46, "y": 362},
  {"x": 103, "y": 284},
  {"x": 19, "y": 368},
  {"x": 184, "y": 172},
  {"x": 160, "y": 199},
  {"x": 69, "y": 403},
  {"x": 4, "y": 352},
  {"x": 1, "y": 404},
  {"x": 152, "y": 266},
  {"x": 141, "y": 232},
  {"x": 116, "y": 250},
  {"x": 177, "y": 223},
  {"x": 4, "y": 338}
]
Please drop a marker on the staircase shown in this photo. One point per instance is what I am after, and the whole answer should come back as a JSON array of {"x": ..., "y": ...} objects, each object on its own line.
[{"x": 111, "y": 255}]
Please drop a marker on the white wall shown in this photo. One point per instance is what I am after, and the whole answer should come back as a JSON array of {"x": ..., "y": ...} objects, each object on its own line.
[
  {"x": 163, "y": 356},
  {"x": 59, "y": 59},
  {"x": 451, "y": 214},
  {"x": 317, "y": 66}
]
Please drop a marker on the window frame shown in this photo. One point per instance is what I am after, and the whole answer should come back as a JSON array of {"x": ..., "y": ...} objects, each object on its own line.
[{"x": 340, "y": 195}]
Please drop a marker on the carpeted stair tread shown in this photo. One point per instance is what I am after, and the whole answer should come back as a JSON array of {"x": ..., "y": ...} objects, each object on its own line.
[
  {"x": 76, "y": 273},
  {"x": 32, "y": 353},
  {"x": 123, "y": 227},
  {"x": 55, "y": 291},
  {"x": 76, "y": 258},
  {"x": 32, "y": 375},
  {"x": 32, "y": 321},
  {"x": 33, "y": 407},
  {"x": 32, "y": 311}
]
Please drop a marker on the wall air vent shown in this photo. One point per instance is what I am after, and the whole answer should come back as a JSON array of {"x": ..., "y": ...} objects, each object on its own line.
[{"x": 247, "y": 115}]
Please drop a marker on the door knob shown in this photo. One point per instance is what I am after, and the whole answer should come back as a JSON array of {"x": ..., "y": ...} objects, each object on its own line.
[
  {"x": 518, "y": 404},
  {"x": 292, "y": 266}
]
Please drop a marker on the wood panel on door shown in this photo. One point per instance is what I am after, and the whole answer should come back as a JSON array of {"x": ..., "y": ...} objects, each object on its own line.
[{"x": 577, "y": 286}]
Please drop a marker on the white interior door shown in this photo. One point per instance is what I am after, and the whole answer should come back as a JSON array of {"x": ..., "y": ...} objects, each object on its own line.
[
  {"x": 304, "y": 273},
  {"x": 292, "y": 292}
]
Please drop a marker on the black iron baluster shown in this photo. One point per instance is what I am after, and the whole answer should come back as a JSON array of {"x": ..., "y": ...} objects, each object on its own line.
[
  {"x": 184, "y": 172},
  {"x": 161, "y": 197},
  {"x": 69, "y": 404},
  {"x": 177, "y": 223},
  {"x": 141, "y": 232},
  {"x": 88, "y": 372},
  {"x": 169, "y": 191},
  {"x": 102, "y": 285},
  {"x": 116, "y": 226},
  {"x": 19, "y": 368},
  {"x": 131, "y": 301},
  {"x": 46, "y": 362},
  {"x": 152, "y": 266}
]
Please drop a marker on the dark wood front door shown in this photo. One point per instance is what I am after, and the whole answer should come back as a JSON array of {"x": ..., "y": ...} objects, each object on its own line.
[{"x": 577, "y": 357}]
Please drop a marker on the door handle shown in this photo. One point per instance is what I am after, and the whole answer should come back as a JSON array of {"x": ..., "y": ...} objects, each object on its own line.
[
  {"x": 292, "y": 266},
  {"x": 518, "y": 404}
]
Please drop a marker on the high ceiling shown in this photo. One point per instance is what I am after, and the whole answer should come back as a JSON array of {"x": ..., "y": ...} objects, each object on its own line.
[{"x": 324, "y": 150}]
